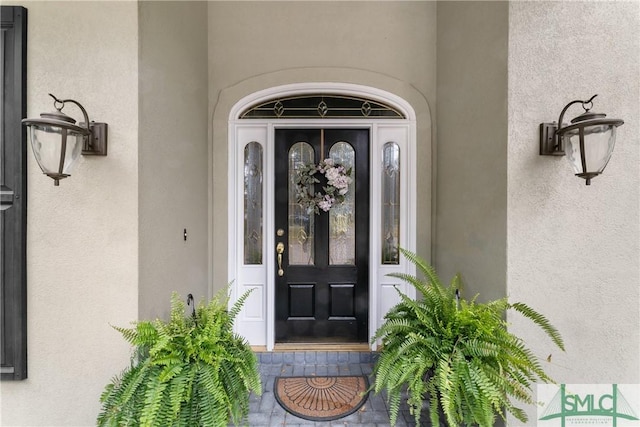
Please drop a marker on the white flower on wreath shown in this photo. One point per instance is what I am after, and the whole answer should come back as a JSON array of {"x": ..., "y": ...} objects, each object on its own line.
[{"x": 338, "y": 180}]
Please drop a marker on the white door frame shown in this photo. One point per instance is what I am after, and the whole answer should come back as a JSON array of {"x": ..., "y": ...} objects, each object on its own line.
[{"x": 256, "y": 322}]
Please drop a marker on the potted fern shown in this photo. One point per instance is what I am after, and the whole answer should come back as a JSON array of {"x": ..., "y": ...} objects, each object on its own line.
[
  {"x": 458, "y": 355},
  {"x": 191, "y": 370}
]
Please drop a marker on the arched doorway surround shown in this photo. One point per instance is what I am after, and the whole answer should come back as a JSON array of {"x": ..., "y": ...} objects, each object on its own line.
[{"x": 258, "y": 271}]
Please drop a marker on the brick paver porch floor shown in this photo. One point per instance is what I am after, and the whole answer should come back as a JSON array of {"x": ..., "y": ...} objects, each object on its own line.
[{"x": 266, "y": 412}]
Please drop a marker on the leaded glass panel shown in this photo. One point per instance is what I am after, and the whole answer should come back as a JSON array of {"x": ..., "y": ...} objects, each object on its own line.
[
  {"x": 253, "y": 203},
  {"x": 301, "y": 222},
  {"x": 390, "y": 203},
  {"x": 342, "y": 243}
]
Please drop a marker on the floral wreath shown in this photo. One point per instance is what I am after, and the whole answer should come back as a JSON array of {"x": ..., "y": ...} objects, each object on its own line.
[{"x": 338, "y": 180}]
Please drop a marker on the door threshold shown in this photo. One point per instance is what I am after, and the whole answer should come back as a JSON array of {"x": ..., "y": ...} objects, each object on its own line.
[{"x": 281, "y": 347}]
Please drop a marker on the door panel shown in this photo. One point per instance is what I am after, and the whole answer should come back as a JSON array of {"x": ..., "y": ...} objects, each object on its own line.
[{"x": 322, "y": 295}]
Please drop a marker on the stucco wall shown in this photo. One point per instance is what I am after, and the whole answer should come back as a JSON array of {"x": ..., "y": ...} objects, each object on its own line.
[
  {"x": 257, "y": 45},
  {"x": 173, "y": 154},
  {"x": 82, "y": 259},
  {"x": 471, "y": 146},
  {"x": 573, "y": 250}
]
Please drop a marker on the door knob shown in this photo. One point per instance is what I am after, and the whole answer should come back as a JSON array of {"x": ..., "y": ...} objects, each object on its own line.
[{"x": 280, "y": 251}]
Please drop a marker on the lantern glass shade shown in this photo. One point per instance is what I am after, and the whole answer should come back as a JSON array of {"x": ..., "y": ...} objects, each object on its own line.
[
  {"x": 587, "y": 142},
  {"x": 56, "y": 148},
  {"x": 589, "y": 148},
  {"x": 57, "y": 141}
]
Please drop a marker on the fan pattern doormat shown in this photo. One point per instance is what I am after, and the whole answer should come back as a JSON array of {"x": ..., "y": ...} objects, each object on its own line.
[{"x": 318, "y": 398}]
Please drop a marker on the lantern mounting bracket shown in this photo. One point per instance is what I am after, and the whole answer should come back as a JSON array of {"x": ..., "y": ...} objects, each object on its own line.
[
  {"x": 550, "y": 141},
  {"x": 95, "y": 143}
]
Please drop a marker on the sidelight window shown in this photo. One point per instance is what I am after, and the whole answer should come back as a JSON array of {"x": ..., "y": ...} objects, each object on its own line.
[
  {"x": 253, "y": 189},
  {"x": 390, "y": 203}
]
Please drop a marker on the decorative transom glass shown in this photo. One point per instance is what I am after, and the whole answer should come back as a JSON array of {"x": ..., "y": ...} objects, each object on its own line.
[{"x": 321, "y": 106}]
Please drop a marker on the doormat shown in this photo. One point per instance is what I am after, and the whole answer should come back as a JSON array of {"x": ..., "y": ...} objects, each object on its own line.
[{"x": 317, "y": 398}]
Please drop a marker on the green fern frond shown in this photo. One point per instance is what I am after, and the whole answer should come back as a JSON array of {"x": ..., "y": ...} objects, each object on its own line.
[
  {"x": 188, "y": 371},
  {"x": 475, "y": 347},
  {"x": 411, "y": 279},
  {"x": 434, "y": 403},
  {"x": 129, "y": 334},
  {"x": 456, "y": 353},
  {"x": 541, "y": 321},
  {"x": 146, "y": 334},
  {"x": 422, "y": 267},
  {"x": 152, "y": 401},
  {"x": 237, "y": 306}
]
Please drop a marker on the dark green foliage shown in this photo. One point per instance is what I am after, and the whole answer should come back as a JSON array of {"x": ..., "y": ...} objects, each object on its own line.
[
  {"x": 456, "y": 354},
  {"x": 190, "y": 371}
]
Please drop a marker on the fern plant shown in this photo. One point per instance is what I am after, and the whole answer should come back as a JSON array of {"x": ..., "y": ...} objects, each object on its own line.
[
  {"x": 456, "y": 354},
  {"x": 189, "y": 371}
]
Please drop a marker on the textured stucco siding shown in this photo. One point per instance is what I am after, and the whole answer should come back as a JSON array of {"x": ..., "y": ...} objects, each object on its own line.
[
  {"x": 471, "y": 146},
  {"x": 173, "y": 150},
  {"x": 82, "y": 257},
  {"x": 573, "y": 250}
]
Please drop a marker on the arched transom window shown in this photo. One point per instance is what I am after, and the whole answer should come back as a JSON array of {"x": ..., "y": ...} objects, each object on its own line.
[{"x": 321, "y": 107}]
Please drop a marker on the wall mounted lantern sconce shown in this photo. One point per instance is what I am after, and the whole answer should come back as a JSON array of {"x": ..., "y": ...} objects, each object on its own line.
[
  {"x": 57, "y": 141},
  {"x": 588, "y": 141}
]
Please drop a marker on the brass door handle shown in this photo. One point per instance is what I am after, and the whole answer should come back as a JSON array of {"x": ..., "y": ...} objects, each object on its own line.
[{"x": 280, "y": 251}]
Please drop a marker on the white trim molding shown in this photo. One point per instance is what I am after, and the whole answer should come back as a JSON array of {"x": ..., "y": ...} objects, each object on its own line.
[{"x": 256, "y": 322}]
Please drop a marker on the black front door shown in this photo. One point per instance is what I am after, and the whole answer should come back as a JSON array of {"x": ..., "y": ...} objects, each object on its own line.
[{"x": 322, "y": 273}]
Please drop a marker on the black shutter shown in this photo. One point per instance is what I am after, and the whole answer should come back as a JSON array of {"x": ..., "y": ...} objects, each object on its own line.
[{"x": 13, "y": 192}]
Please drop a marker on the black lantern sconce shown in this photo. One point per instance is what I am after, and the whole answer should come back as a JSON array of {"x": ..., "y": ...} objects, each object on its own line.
[
  {"x": 57, "y": 141},
  {"x": 588, "y": 141}
]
